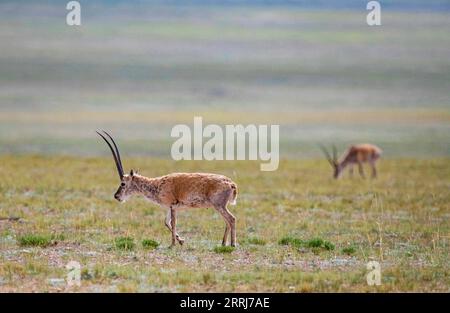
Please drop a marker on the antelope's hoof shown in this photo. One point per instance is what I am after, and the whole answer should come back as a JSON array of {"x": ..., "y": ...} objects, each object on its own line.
[{"x": 181, "y": 241}]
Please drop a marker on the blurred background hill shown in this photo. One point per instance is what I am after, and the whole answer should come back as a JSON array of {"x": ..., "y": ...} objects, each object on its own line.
[{"x": 136, "y": 68}]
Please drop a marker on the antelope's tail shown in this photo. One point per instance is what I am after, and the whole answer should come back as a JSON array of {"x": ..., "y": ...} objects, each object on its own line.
[{"x": 234, "y": 195}]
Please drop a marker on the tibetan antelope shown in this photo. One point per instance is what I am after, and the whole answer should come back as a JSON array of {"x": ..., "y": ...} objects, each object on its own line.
[
  {"x": 178, "y": 191},
  {"x": 356, "y": 154}
]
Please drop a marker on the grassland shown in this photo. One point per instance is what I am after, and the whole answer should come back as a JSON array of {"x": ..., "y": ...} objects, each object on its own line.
[{"x": 61, "y": 209}]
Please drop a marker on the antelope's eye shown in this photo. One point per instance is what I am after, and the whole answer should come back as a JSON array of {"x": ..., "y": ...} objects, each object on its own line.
[{"x": 122, "y": 184}]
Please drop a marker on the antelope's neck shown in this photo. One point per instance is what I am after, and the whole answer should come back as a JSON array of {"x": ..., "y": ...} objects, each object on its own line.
[
  {"x": 344, "y": 162},
  {"x": 148, "y": 187}
]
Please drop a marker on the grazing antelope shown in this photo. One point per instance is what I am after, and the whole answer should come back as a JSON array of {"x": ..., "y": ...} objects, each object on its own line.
[
  {"x": 356, "y": 154},
  {"x": 178, "y": 191}
]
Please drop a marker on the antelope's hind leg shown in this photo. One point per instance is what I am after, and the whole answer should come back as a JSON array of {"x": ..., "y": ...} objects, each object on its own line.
[
  {"x": 233, "y": 227},
  {"x": 227, "y": 230},
  {"x": 220, "y": 204},
  {"x": 168, "y": 222},
  {"x": 230, "y": 222}
]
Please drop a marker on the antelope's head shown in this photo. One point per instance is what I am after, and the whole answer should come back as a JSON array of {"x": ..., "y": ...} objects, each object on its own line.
[
  {"x": 333, "y": 161},
  {"x": 125, "y": 189}
]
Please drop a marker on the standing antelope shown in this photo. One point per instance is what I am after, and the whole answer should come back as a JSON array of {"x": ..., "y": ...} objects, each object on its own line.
[
  {"x": 356, "y": 154},
  {"x": 179, "y": 191}
]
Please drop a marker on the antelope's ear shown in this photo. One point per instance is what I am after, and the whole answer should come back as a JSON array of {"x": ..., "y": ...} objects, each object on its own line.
[{"x": 131, "y": 173}]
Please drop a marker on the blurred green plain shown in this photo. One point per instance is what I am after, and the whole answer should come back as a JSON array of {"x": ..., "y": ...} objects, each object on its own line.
[{"x": 324, "y": 75}]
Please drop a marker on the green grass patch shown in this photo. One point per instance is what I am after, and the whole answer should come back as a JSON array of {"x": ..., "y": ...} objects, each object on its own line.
[
  {"x": 86, "y": 275},
  {"x": 291, "y": 241},
  {"x": 33, "y": 240},
  {"x": 318, "y": 243},
  {"x": 349, "y": 250},
  {"x": 256, "y": 241},
  {"x": 315, "y": 243},
  {"x": 150, "y": 244},
  {"x": 124, "y": 243},
  {"x": 223, "y": 249}
]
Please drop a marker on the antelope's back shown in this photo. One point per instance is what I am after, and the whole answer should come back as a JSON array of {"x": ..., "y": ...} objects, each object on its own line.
[
  {"x": 366, "y": 151},
  {"x": 196, "y": 189}
]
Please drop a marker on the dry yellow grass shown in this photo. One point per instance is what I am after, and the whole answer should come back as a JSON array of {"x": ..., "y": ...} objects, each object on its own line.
[{"x": 400, "y": 220}]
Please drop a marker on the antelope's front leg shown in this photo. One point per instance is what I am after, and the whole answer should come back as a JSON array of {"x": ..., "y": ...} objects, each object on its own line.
[
  {"x": 173, "y": 223},
  {"x": 168, "y": 224}
]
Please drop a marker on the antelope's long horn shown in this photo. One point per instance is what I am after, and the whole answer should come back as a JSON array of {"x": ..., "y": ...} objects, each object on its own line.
[
  {"x": 334, "y": 153},
  {"x": 116, "y": 157},
  {"x": 327, "y": 155},
  {"x": 117, "y": 150}
]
